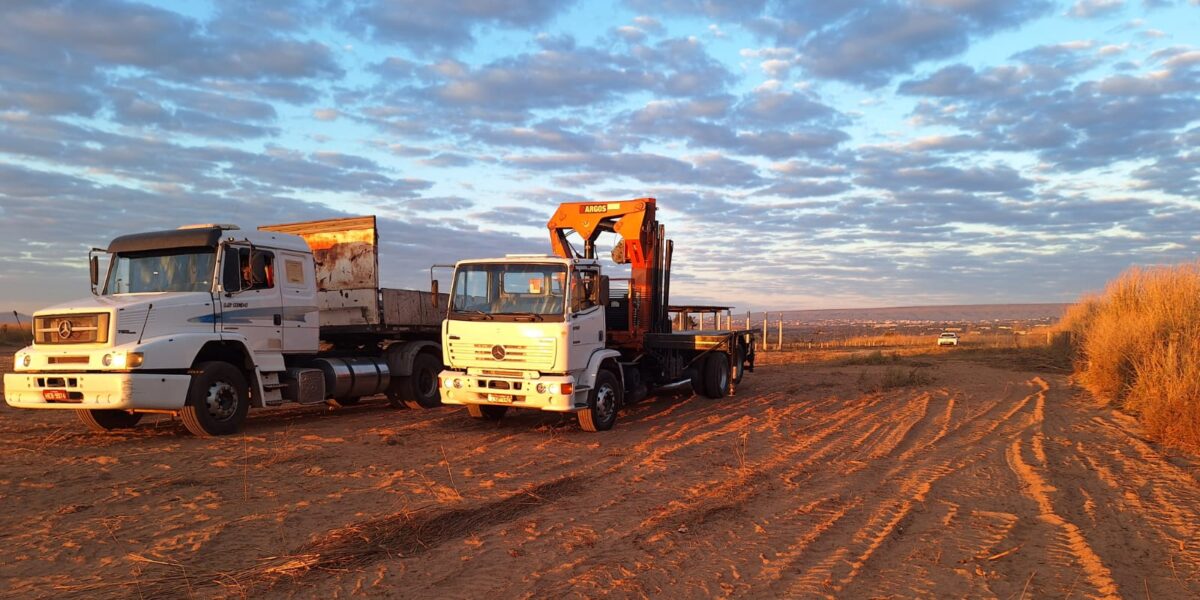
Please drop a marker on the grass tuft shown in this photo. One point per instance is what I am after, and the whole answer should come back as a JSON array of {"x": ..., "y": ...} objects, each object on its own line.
[{"x": 1137, "y": 345}]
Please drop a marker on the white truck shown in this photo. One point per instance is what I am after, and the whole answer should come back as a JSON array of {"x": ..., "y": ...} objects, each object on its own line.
[
  {"x": 552, "y": 333},
  {"x": 207, "y": 321}
]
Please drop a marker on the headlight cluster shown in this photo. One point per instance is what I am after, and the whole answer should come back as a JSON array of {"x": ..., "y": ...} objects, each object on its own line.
[
  {"x": 27, "y": 360},
  {"x": 452, "y": 383},
  {"x": 554, "y": 388},
  {"x": 123, "y": 360}
]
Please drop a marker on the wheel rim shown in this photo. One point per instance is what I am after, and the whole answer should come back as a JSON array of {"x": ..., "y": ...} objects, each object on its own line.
[
  {"x": 426, "y": 382},
  {"x": 221, "y": 400},
  {"x": 606, "y": 402}
]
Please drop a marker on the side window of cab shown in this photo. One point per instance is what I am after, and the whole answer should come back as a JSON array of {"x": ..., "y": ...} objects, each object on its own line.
[{"x": 584, "y": 285}]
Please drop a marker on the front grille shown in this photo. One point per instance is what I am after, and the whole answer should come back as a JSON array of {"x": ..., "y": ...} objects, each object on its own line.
[
  {"x": 68, "y": 360},
  {"x": 539, "y": 353},
  {"x": 90, "y": 328}
]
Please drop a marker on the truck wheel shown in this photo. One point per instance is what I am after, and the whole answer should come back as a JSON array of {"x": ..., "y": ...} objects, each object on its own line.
[
  {"x": 485, "y": 412},
  {"x": 716, "y": 375},
  {"x": 107, "y": 420},
  {"x": 739, "y": 365},
  {"x": 693, "y": 373},
  {"x": 217, "y": 400},
  {"x": 603, "y": 401},
  {"x": 420, "y": 390}
]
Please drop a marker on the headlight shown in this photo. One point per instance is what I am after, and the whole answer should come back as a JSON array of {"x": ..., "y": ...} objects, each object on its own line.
[
  {"x": 541, "y": 388},
  {"x": 123, "y": 360},
  {"x": 27, "y": 360},
  {"x": 458, "y": 383}
]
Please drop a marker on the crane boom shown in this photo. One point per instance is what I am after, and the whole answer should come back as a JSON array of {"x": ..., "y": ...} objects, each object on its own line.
[{"x": 643, "y": 246}]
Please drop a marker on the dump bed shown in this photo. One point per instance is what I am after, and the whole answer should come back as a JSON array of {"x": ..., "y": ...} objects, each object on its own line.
[{"x": 346, "y": 252}]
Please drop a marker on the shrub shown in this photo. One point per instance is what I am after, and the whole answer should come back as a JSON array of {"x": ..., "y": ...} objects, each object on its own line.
[{"x": 1138, "y": 345}]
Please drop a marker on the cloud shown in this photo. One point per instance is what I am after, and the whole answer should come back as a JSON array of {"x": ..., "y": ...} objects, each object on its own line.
[
  {"x": 429, "y": 26},
  {"x": 702, "y": 170},
  {"x": 1090, "y": 9},
  {"x": 1073, "y": 125},
  {"x": 865, "y": 42}
]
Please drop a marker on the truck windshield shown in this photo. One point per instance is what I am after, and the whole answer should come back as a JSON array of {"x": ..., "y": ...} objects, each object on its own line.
[
  {"x": 512, "y": 290},
  {"x": 175, "y": 270}
]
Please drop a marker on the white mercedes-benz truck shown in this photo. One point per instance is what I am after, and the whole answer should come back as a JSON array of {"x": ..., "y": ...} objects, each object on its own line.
[
  {"x": 207, "y": 321},
  {"x": 546, "y": 332}
]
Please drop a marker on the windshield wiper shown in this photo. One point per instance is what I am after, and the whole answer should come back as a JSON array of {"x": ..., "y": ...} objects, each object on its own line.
[
  {"x": 475, "y": 315},
  {"x": 532, "y": 316}
]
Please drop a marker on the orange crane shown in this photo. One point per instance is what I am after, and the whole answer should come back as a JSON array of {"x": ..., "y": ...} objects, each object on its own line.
[{"x": 642, "y": 245}]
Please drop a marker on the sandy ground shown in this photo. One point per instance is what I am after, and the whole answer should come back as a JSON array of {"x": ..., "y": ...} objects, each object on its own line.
[{"x": 992, "y": 481}]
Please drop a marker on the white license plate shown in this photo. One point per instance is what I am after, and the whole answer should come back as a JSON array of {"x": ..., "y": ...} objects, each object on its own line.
[{"x": 500, "y": 398}]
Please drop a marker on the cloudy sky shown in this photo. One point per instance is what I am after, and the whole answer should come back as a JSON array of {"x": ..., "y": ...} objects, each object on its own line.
[{"x": 806, "y": 154}]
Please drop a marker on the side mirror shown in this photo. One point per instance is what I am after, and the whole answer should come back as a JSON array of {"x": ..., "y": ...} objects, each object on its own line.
[
  {"x": 94, "y": 271},
  {"x": 433, "y": 290}
]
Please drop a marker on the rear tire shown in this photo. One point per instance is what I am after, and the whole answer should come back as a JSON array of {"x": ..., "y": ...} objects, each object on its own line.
[
  {"x": 101, "y": 420},
  {"x": 420, "y": 389},
  {"x": 486, "y": 412},
  {"x": 217, "y": 401},
  {"x": 716, "y": 375},
  {"x": 739, "y": 365},
  {"x": 603, "y": 401}
]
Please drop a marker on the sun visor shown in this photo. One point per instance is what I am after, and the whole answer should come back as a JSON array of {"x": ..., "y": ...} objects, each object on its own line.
[{"x": 166, "y": 240}]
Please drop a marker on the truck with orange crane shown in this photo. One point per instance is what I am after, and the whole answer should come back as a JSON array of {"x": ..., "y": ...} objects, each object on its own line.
[{"x": 554, "y": 333}]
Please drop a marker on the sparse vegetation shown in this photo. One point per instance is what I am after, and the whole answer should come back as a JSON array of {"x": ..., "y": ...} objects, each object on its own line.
[
  {"x": 14, "y": 335},
  {"x": 894, "y": 377},
  {"x": 872, "y": 358},
  {"x": 1137, "y": 345}
]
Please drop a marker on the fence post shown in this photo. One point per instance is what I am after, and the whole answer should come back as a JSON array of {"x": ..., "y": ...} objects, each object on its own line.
[
  {"x": 779, "y": 341},
  {"x": 766, "y": 344}
]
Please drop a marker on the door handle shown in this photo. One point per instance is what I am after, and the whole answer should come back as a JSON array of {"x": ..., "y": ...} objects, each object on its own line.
[{"x": 279, "y": 319}]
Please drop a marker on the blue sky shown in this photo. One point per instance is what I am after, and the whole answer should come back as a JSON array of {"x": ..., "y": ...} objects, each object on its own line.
[{"x": 804, "y": 154}]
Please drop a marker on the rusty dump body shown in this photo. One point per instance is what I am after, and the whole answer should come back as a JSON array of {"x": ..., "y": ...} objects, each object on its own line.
[{"x": 346, "y": 253}]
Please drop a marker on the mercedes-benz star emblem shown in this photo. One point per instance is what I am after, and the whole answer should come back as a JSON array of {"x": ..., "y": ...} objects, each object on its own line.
[
  {"x": 498, "y": 352},
  {"x": 65, "y": 329}
]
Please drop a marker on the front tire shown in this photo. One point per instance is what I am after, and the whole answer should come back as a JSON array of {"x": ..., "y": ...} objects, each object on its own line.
[
  {"x": 217, "y": 402},
  {"x": 603, "y": 401},
  {"x": 101, "y": 420},
  {"x": 486, "y": 412},
  {"x": 716, "y": 375},
  {"x": 419, "y": 390}
]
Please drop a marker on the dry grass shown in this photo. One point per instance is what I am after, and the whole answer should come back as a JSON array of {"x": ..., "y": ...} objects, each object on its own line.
[
  {"x": 1138, "y": 345},
  {"x": 1035, "y": 338},
  {"x": 872, "y": 358},
  {"x": 11, "y": 335}
]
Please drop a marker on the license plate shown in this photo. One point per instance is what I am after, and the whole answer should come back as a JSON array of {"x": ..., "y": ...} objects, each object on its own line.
[
  {"x": 53, "y": 395},
  {"x": 500, "y": 398}
]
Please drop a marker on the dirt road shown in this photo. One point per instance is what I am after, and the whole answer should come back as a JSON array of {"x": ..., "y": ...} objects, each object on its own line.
[{"x": 988, "y": 482}]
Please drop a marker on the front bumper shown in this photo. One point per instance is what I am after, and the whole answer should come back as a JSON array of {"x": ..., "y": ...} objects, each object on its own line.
[
  {"x": 117, "y": 391},
  {"x": 511, "y": 391}
]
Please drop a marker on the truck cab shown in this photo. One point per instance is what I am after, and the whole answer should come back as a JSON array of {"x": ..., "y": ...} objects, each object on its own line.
[{"x": 525, "y": 331}]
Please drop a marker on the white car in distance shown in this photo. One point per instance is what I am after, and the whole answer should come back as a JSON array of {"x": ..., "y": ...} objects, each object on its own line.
[{"x": 948, "y": 338}]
